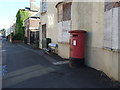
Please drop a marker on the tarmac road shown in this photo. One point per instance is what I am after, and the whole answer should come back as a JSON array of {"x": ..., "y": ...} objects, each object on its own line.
[{"x": 26, "y": 68}]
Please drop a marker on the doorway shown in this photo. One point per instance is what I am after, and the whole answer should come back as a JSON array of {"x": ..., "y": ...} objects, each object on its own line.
[{"x": 44, "y": 36}]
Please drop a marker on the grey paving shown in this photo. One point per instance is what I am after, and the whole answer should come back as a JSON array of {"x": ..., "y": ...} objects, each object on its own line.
[{"x": 32, "y": 68}]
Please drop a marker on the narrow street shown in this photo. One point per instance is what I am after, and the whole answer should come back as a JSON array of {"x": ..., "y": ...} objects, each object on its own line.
[{"x": 28, "y": 69}]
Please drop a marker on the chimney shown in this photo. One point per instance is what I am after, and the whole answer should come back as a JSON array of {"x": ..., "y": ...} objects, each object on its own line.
[{"x": 33, "y": 5}]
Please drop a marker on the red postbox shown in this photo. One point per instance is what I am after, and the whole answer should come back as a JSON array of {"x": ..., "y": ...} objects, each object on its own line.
[{"x": 77, "y": 47}]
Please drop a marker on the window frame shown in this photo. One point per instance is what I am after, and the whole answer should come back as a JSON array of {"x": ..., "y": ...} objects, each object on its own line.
[
  {"x": 61, "y": 13},
  {"x": 44, "y": 6}
]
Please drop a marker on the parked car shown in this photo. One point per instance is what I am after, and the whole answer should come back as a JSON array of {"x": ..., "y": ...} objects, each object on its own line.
[{"x": 3, "y": 37}]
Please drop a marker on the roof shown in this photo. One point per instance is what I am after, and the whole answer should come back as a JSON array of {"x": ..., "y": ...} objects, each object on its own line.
[
  {"x": 37, "y": 15},
  {"x": 27, "y": 9},
  {"x": 32, "y": 17}
]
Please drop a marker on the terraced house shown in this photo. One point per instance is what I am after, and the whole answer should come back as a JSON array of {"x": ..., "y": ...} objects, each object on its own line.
[
  {"x": 32, "y": 25},
  {"x": 32, "y": 29},
  {"x": 99, "y": 19}
]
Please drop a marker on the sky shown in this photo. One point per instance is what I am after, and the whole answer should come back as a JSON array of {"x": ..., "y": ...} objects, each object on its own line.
[{"x": 9, "y": 9}]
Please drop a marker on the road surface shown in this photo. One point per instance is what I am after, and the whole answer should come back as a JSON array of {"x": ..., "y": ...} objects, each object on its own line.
[
  {"x": 1, "y": 64},
  {"x": 27, "y": 68}
]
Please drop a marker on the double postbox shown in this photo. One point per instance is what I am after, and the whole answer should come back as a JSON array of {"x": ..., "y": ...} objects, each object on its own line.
[{"x": 77, "y": 46}]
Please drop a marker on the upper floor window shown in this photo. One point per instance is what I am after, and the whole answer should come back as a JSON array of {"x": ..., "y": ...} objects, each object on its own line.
[
  {"x": 64, "y": 12},
  {"x": 67, "y": 11},
  {"x": 110, "y": 5},
  {"x": 111, "y": 26},
  {"x": 44, "y": 6}
]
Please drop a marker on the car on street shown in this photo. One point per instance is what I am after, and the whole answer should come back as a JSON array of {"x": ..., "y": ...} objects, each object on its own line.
[{"x": 3, "y": 37}]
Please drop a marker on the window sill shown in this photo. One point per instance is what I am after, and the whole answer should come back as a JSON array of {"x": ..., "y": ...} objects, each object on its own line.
[
  {"x": 63, "y": 42},
  {"x": 64, "y": 20},
  {"x": 112, "y": 50},
  {"x": 43, "y": 12}
]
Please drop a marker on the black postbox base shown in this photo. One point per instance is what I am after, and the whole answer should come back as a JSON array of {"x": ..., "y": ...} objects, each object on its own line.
[{"x": 75, "y": 62}]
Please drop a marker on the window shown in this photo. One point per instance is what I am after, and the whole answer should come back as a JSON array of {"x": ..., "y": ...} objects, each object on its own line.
[
  {"x": 60, "y": 13},
  {"x": 64, "y": 12},
  {"x": 108, "y": 5},
  {"x": 64, "y": 22},
  {"x": 44, "y": 31},
  {"x": 111, "y": 29},
  {"x": 67, "y": 11},
  {"x": 44, "y": 6}
]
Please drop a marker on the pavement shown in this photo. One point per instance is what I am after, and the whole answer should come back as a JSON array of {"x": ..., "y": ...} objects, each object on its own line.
[{"x": 27, "y": 67}]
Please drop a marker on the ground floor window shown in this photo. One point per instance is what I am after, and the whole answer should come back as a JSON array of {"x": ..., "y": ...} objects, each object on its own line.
[
  {"x": 64, "y": 22},
  {"x": 34, "y": 36},
  {"x": 112, "y": 29},
  {"x": 63, "y": 29}
]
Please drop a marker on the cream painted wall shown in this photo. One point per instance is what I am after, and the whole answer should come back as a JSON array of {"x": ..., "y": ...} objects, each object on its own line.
[
  {"x": 52, "y": 22},
  {"x": 64, "y": 50},
  {"x": 43, "y": 18},
  {"x": 50, "y": 18},
  {"x": 103, "y": 60},
  {"x": 85, "y": 16},
  {"x": 43, "y": 21},
  {"x": 90, "y": 17}
]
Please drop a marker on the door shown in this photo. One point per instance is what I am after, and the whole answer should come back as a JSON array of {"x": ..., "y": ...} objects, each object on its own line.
[
  {"x": 44, "y": 45},
  {"x": 32, "y": 37}
]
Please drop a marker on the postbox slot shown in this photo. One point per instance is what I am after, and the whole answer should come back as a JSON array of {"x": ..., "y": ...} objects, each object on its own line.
[{"x": 75, "y": 35}]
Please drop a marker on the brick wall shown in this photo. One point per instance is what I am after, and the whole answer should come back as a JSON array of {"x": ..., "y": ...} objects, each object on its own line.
[{"x": 34, "y": 23}]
